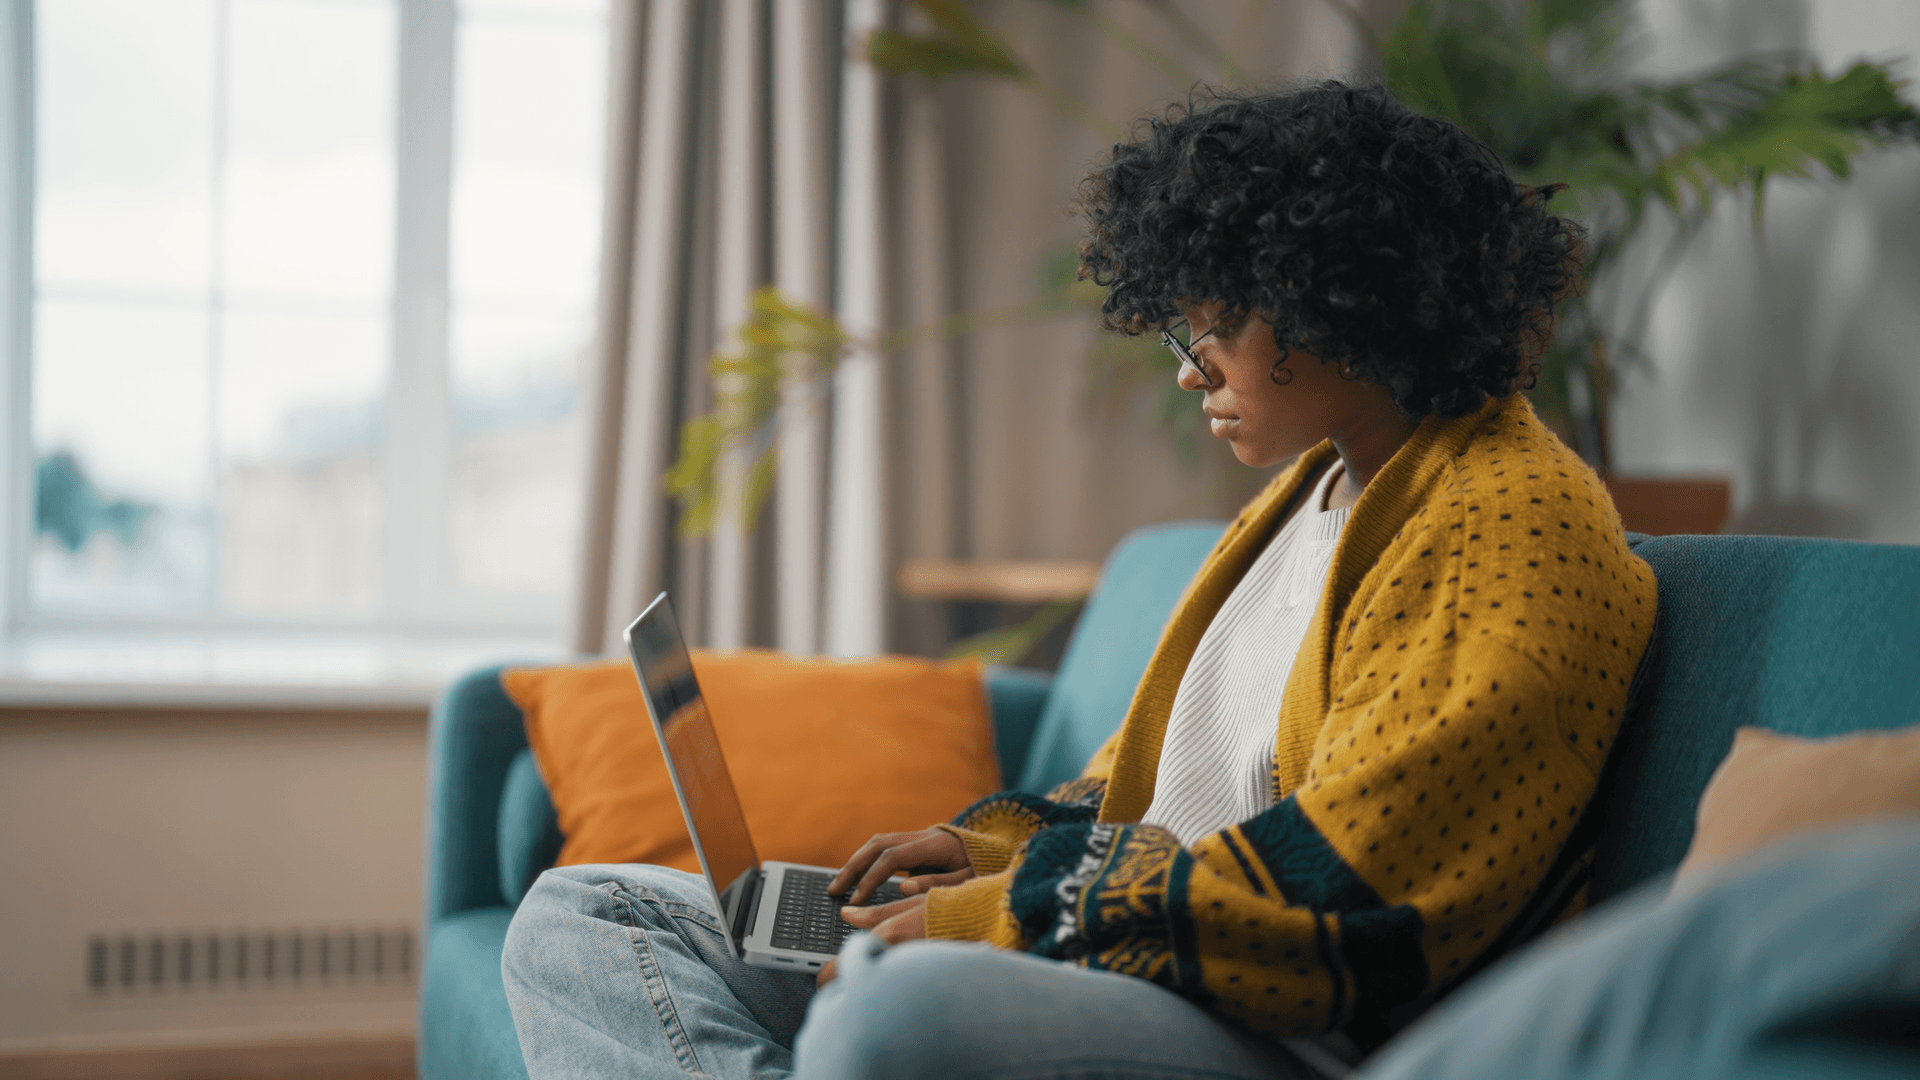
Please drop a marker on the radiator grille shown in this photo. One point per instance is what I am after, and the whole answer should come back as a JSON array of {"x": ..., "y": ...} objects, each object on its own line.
[{"x": 149, "y": 963}]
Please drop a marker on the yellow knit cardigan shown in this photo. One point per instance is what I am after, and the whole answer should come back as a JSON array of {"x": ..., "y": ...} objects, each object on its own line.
[{"x": 1440, "y": 736}]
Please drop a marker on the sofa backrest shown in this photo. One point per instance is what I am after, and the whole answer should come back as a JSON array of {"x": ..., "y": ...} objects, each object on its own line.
[
  {"x": 1142, "y": 580},
  {"x": 1806, "y": 637}
]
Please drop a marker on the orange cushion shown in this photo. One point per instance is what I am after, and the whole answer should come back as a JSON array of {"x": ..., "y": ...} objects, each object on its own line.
[{"x": 825, "y": 753}]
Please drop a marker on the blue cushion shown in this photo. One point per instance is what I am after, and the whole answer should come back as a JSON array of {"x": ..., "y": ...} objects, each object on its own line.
[
  {"x": 1802, "y": 961},
  {"x": 1139, "y": 586},
  {"x": 1808, "y": 637},
  {"x": 529, "y": 829},
  {"x": 466, "y": 1028}
]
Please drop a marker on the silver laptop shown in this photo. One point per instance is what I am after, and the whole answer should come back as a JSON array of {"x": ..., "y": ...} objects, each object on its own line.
[{"x": 777, "y": 914}]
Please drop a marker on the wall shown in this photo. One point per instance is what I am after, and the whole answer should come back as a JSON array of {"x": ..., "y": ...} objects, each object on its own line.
[
  {"x": 203, "y": 822},
  {"x": 1787, "y": 360}
]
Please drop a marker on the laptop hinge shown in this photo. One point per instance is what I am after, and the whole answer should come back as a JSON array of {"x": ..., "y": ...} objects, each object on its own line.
[{"x": 743, "y": 904}]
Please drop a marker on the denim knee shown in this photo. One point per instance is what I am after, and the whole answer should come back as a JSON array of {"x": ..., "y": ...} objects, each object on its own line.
[
  {"x": 551, "y": 897},
  {"x": 896, "y": 1013},
  {"x": 565, "y": 895}
]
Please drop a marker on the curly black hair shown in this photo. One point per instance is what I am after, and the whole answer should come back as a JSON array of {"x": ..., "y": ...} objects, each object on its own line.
[{"x": 1390, "y": 243}]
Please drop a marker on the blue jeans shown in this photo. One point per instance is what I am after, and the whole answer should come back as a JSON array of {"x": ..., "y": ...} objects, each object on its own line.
[
  {"x": 621, "y": 971},
  {"x": 1802, "y": 961}
]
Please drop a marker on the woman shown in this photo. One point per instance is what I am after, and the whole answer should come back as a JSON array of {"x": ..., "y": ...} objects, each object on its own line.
[{"x": 1354, "y": 768}]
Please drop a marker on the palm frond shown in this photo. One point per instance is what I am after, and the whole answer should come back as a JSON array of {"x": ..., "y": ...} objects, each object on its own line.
[
  {"x": 1538, "y": 81},
  {"x": 1804, "y": 123}
]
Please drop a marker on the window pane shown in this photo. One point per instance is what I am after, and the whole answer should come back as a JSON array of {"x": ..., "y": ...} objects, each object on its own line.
[
  {"x": 124, "y": 144},
  {"x": 526, "y": 234},
  {"x": 526, "y": 193},
  {"x": 310, "y": 163},
  {"x": 545, "y": 8},
  {"x": 214, "y": 259},
  {"x": 122, "y": 451},
  {"x": 299, "y": 418},
  {"x": 298, "y": 385},
  {"x": 516, "y": 497}
]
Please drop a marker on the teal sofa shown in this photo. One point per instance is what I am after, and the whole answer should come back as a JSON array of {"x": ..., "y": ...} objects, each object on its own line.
[{"x": 1809, "y": 637}]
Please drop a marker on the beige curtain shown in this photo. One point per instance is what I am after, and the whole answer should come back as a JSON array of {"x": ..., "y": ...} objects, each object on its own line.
[
  {"x": 717, "y": 183},
  {"x": 745, "y": 147}
]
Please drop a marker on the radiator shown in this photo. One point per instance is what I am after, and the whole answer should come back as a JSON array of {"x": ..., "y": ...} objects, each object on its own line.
[{"x": 145, "y": 964}]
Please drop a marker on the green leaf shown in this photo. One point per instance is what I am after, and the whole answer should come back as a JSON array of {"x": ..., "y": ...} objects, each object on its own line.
[
  {"x": 780, "y": 337},
  {"x": 691, "y": 479},
  {"x": 1412, "y": 64},
  {"x": 1061, "y": 286},
  {"x": 1802, "y": 123},
  {"x": 1558, "y": 16},
  {"x": 934, "y": 58},
  {"x": 759, "y": 486},
  {"x": 1012, "y": 644},
  {"x": 955, "y": 19},
  {"x": 963, "y": 46}
]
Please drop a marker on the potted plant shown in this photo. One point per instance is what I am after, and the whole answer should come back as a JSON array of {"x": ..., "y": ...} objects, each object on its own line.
[{"x": 1541, "y": 82}]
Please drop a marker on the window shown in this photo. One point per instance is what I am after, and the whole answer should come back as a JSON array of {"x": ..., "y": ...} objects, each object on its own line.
[{"x": 310, "y": 290}]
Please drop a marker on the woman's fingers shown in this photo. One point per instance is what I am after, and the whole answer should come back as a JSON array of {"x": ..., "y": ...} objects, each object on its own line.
[
  {"x": 866, "y": 918},
  {"x": 891, "y": 861},
  {"x": 902, "y": 920},
  {"x": 889, "y": 853},
  {"x": 921, "y": 883},
  {"x": 934, "y": 848},
  {"x": 863, "y": 858},
  {"x": 909, "y": 924}
]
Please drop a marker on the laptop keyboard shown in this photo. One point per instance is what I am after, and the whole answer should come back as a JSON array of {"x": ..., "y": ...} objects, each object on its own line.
[{"x": 809, "y": 920}]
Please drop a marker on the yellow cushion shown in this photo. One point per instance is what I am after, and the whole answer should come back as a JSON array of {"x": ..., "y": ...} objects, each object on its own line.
[
  {"x": 1775, "y": 787},
  {"x": 825, "y": 753}
]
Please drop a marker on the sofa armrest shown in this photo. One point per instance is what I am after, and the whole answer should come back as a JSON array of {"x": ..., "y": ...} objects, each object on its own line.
[
  {"x": 1017, "y": 696},
  {"x": 475, "y": 735},
  {"x": 529, "y": 829}
]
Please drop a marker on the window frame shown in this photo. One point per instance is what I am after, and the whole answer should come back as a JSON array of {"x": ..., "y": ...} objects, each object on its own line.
[
  {"x": 418, "y": 591},
  {"x": 17, "y": 142}
]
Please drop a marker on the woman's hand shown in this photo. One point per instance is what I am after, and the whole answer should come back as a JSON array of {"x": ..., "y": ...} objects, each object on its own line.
[
  {"x": 902, "y": 920},
  {"x": 889, "y": 853}
]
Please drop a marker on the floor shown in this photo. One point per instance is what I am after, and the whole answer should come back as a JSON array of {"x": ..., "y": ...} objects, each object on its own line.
[{"x": 388, "y": 1059}]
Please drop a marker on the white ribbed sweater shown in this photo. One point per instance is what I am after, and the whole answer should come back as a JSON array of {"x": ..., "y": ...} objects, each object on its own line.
[{"x": 1216, "y": 763}]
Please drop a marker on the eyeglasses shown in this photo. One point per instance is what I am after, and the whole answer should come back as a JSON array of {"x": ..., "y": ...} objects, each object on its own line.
[{"x": 1184, "y": 350}]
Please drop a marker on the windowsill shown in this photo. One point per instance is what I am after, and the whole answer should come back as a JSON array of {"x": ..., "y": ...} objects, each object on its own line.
[{"x": 132, "y": 669}]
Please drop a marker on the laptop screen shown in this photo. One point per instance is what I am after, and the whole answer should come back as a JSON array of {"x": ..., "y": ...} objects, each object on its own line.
[{"x": 693, "y": 751}]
